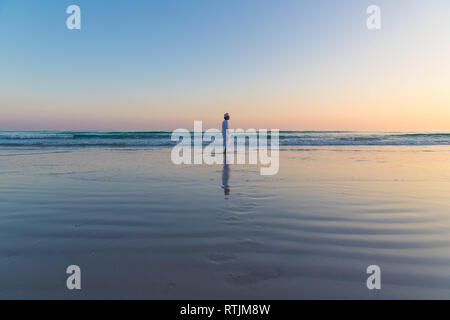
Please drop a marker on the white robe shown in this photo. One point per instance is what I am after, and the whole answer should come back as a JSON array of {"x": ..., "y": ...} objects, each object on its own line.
[{"x": 225, "y": 134}]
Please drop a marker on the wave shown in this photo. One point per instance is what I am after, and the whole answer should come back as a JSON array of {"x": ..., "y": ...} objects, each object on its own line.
[
  {"x": 27, "y": 135},
  {"x": 163, "y": 138}
]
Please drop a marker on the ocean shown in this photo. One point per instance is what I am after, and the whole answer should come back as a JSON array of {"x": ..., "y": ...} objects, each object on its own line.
[{"x": 162, "y": 138}]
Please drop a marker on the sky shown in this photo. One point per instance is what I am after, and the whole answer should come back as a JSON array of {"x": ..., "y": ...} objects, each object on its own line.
[{"x": 160, "y": 65}]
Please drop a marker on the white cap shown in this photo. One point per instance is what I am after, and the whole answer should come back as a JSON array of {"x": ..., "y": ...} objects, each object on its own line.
[{"x": 226, "y": 115}]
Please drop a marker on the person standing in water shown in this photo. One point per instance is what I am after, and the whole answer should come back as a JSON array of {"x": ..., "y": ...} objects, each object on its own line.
[{"x": 226, "y": 138}]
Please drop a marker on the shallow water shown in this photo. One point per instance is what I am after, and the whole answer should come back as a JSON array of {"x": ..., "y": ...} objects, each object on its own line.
[{"x": 141, "y": 227}]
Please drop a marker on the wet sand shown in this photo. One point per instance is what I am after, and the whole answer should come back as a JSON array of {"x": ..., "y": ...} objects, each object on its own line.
[{"x": 141, "y": 227}]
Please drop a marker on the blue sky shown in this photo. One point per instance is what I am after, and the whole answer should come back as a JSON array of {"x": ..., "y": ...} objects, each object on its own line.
[{"x": 162, "y": 64}]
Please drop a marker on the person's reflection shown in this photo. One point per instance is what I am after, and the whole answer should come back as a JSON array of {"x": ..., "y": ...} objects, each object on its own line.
[{"x": 225, "y": 176}]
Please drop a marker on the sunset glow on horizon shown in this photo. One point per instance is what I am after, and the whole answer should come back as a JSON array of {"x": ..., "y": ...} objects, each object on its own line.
[{"x": 291, "y": 65}]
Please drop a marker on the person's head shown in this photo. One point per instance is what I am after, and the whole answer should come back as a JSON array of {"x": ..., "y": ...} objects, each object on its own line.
[{"x": 226, "y": 116}]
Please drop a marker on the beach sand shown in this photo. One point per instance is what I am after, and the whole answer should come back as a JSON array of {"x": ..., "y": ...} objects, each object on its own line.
[{"x": 141, "y": 227}]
